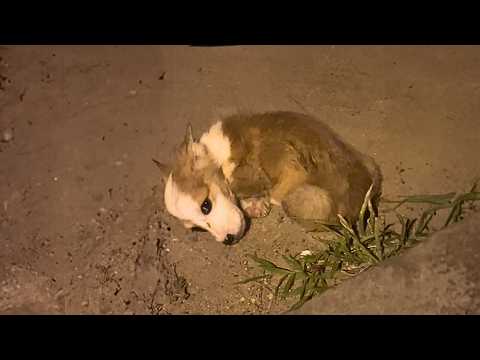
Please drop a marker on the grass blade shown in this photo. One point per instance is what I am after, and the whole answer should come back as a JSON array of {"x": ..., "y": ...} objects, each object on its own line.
[
  {"x": 422, "y": 224},
  {"x": 268, "y": 265},
  {"x": 356, "y": 240},
  {"x": 454, "y": 213},
  {"x": 252, "y": 279},
  {"x": 361, "y": 217},
  {"x": 304, "y": 288},
  {"x": 280, "y": 282},
  {"x": 288, "y": 285},
  {"x": 379, "y": 239},
  {"x": 294, "y": 263},
  {"x": 301, "y": 302},
  {"x": 438, "y": 199},
  {"x": 347, "y": 226}
]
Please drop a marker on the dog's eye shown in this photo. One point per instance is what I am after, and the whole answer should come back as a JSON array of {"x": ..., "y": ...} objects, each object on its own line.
[{"x": 206, "y": 206}]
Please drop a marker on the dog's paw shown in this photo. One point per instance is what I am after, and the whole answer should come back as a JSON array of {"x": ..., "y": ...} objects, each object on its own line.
[{"x": 256, "y": 207}]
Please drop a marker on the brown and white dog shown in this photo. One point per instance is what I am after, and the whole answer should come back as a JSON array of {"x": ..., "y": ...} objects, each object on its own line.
[{"x": 245, "y": 163}]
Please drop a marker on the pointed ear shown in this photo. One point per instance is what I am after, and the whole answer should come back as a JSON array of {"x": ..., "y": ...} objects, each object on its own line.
[
  {"x": 164, "y": 169},
  {"x": 189, "y": 138}
]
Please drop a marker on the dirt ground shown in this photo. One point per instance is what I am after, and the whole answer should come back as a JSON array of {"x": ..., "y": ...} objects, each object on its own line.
[{"x": 83, "y": 229}]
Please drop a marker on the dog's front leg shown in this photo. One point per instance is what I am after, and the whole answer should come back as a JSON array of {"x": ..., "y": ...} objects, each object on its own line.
[
  {"x": 251, "y": 185},
  {"x": 256, "y": 207}
]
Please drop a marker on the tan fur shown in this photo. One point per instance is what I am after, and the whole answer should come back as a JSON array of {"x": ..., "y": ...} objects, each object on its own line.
[{"x": 281, "y": 151}]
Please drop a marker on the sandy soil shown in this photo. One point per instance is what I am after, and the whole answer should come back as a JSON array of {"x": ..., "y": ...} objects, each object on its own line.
[{"x": 82, "y": 224}]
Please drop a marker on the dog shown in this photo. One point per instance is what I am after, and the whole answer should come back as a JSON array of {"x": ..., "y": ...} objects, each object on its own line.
[{"x": 245, "y": 163}]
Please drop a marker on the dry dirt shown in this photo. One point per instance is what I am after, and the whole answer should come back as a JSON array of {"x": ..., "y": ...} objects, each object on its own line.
[{"x": 82, "y": 224}]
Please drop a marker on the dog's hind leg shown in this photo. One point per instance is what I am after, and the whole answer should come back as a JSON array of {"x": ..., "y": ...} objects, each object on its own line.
[
  {"x": 310, "y": 205},
  {"x": 291, "y": 177}
]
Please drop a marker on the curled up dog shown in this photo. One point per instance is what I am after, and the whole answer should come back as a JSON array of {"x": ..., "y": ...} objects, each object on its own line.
[{"x": 246, "y": 163}]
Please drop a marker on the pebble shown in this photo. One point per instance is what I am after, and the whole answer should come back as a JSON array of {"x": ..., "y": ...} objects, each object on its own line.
[
  {"x": 7, "y": 135},
  {"x": 55, "y": 178},
  {"x": 84, "y": 303},
  {"x": 305, "y": 253}
]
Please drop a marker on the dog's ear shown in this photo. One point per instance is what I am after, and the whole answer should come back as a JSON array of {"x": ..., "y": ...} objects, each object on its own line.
[
  {"x": 164, "y": 169},
  {"x": 189, "y": 141}
]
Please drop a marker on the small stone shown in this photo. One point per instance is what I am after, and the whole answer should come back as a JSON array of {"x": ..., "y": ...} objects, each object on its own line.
[
  {"x": 7, "y": 135},
  {"x": 118, "y": 163},
  {"x": 305, "y": 253},
  {"x": 242, "y": 299},
  {"x": 55, "y": 178},
  {"x": 84, "y": 303},
  {"x": 270, "y": 296},
  {"x": 133, "y": 92}
]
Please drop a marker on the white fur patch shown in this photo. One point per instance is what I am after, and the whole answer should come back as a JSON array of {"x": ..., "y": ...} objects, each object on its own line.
[
  {"x": 219, "y": 147},
  {"x": 217, "y": 143},
  {"x": 180, "y": 204},
  {"x": 227, "y": 169}
]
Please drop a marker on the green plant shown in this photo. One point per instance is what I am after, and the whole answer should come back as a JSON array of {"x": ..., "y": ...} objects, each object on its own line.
[{"x": 357, "y": 247}]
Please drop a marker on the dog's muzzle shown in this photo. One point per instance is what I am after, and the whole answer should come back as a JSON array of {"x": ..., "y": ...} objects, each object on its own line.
[{"x": 231, "y": 239}]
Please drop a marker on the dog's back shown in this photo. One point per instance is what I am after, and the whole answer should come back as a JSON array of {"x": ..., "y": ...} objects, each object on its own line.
[{"x": 270, "y": 141}]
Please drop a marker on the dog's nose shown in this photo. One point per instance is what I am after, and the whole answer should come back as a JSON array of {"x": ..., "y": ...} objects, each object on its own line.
[{"x": 230, "y": 239}]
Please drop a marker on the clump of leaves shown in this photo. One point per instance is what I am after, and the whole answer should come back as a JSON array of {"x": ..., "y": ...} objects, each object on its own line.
[{"x": 357, "y": 247}]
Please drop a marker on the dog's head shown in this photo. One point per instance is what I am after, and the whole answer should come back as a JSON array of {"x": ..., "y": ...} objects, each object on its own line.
[{"x": 197, "y": 193}]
